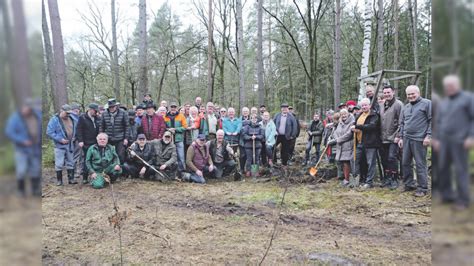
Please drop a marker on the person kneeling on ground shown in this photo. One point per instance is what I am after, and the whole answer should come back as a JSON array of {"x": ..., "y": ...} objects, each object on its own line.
[
  {"x": 254, "y": 134},
  {"x": 166, "y": 157},
  {"x": 102, "y": 159},
  {"x": 199, "y": 161},
  {"x": 221, "y": 154},
  {"x": 134, "y": 166}
]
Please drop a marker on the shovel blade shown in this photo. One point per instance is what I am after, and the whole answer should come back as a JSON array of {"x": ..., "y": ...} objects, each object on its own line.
[
  {"x": 313, "y": 171},
  {"x": 254, "y": 169}
]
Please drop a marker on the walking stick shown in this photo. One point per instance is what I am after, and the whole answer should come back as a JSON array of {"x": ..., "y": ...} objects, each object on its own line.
[{"x": 165, "y": 176}]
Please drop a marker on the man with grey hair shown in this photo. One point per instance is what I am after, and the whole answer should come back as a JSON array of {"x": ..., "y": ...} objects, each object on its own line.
[
  {"x": 367, "y": 133},
  {"x": 453, "y": 139},
  {"x": 414, "y": 137},
  {"x": 221, "y": 154}
]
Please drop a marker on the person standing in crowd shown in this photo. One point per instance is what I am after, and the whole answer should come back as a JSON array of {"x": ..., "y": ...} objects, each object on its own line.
[
  {"x": 199, "y": 161},
  {"x": 134, "y": 166},
  {"x": 133, "y": 128},
  {"x": 263, "y": 109},
  {"x": 367, "y": 129},
  {"x": 198, "y": 102},
  {"x": 454, "y": 141},
  {"x": 164, "y": 104},
  {"x": 343, "y": 139},
  {"x": 414, "y": 137},
  {"x": 23, "y": 128},
  {"x": 315, "y": 137},
  {"x": 298, "y": 131},
  {"x": 253, "y": 136},
  {"x": 153, "y": 125},
  {"x": 78, "y": 156},
  {"x": 87, "y": 131},
  {"x": 187, "y": 106},
  {"x": 102, "y": 159},
  {"x": 254, "y": 111},
  {"x": 161, "y": 111},
  {"x": 139, "y": 112},
  {"x": 329, "y": 130},
  {"x": 166, "y": 158},
  {"x": 176, "y": 123},
  {"x": 350, "y": 106},
  {"x": 287, "y": 129},
  {"x": 62, "y": 130},
  {"x": 222, "y": 116},
  {"x": 221, "y": 155},
  {"x": 192, "y": 131},
  {"x": 210, "y": 129},
  {"x": 245, "y": 121},
  {"x": 370, "y": 93},
  {"x": 342, "y": 106},
  {"x": 232, "y": 127},
  {"x": 147, "y": 99},
  {"x": 115, "y": 124},
  {"x": 389, "y": 117},
  {"x": 268, "y": 125}
]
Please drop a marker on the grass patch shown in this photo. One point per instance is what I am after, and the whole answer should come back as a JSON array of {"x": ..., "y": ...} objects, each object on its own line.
[
  {"x": 48, "y": 154},
  {"x": 237, "y": 218},
  {"x": 7, "y": 163}
]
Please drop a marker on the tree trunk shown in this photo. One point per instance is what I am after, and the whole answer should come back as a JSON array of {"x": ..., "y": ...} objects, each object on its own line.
[
  {"x": 261, "y": 89},
  {"x": 115, "y": 61},
  {"x": 58, "y": 52},
  {"x": 240, "y": 51},
  {"x": 270, "y": 66},
  {"x": 142, "y": 50},
  {"x": 49, "y": 65},
  {"x": 380, "y": 35},
  {"x": 364, "y": 69},
  {"x": 210, "y": 63},
  {"x": 412, "y": 9},
  {"x": 337, "y": 54},
  {"x": 396, "y": 24},
  {"x": 18, "y": 55}
]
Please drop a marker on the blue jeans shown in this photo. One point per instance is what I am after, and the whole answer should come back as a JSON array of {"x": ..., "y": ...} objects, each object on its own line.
[
  {"x": 64, "y": 157},
  {"x": 27, "y": 165},
  {"x": 308, "y": 150},
  {"x": 225, "y": 167},
  {"x": 413, "y": 149},
  {"x": 200, "y": 179},
  {"x": 180, "y": 153},
  {"x": 371, "y": 157}
]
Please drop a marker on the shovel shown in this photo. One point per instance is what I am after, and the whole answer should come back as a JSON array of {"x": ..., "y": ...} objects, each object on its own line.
[
  {"x": 254, "y": 166},
  {"x": 314, "y": 170},
  {"x": 354, "y": 180}
]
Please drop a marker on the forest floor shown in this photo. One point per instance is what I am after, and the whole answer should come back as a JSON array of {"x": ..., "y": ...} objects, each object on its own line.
[{"x": 227, "y": 222}]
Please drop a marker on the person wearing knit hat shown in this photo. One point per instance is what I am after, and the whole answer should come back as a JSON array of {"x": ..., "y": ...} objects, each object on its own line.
[{"x": 350, "y": 105}]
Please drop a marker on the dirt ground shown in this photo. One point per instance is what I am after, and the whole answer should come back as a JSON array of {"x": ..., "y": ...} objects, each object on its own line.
[{"x": 226, "y": 222}]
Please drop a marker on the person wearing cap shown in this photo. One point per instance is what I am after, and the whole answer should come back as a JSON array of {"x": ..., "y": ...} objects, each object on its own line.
[
  {"x": 153, "y": 125},
  {"x": 101, "y": 160},
  {"x": 356, "y": 110},
  {"x": 298, "y": 131},
  {"x": 23, "y": 128},
  {"x": 75, "y": 110},
  {"x": 221, "y": 155},
  {"x": 133, "y": 128},
  {"x": 263, "y": 109},
  {"x": 315, "y": 137},
  {"x": 342, "y": 106},
  {"x": 199, "y": 161},
  {"x": 134, "y": 166},
  {"x": 115, "y": 122},
  {"x": 139, "y": 112},
  {"x": 147, "y": 99},
  {"x": 62, "y": 130},
  {"x": 176, "y": 123},
  {"x": 287, "y": 128},
  {"x": 390, "y": 112},
  {"x": 87, "y": 130},
  {"x": 166, "y": 158},
  {"x": 350, "y": 106}
]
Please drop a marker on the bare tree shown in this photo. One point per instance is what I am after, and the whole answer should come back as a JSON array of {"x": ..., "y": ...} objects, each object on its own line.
[
  {"x": 210, "y": 60},
  {"x": 115, "y": 59},
  {"x": 380, "y": 34},
  {"x": 240, "y": 52},
  {"x": 396, "y": 41},
  {"x": 48, "y": 51},
  {"x": 364, "y": 69},
  {"x": 412, "y": 10},
  {"x": 142, "y": 52},
  {"x": 337, "y": 54},
  {"x": 261, "y": 88},
  {"x": 58, "y": 52}
]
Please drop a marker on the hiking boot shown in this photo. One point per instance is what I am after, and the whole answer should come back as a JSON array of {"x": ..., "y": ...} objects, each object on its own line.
[
  {"x": 393, "y": 184},
  {"x": 36, "y": 186},
  {"x": 345, "y": 183},
  {"x": 21, "y": 187},
  {"x": 59, "y": 178},
  {"x": 420, "y": 193},
  {"x": 366, "y": 186},
  {"x": 408, "y": 189},
  {"x": 84, "y": 180},
  {"x": 70, "y": 177}
]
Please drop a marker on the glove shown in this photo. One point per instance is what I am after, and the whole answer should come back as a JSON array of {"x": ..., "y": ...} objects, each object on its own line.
[
  {"x": 133, "y": 154},
  {"x": 332, "y": 142}
]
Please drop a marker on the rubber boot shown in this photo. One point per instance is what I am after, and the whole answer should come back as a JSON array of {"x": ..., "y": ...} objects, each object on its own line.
[
  {"x": 21, "y": 187},
  {"x": 84, "y": 179},
  {"x": 70, "y": 177},
  {"x": 386, "y": 180},
  {"x": 36, "y": 186},
  {"x": 393, "y": 181},
  {"x": 59, "y": 177}
]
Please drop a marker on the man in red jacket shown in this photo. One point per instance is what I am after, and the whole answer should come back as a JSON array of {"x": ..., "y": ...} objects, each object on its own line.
[{"x": 152, "y": 125}]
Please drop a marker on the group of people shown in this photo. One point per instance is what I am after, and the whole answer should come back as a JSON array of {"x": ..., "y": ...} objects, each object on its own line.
[{"x": 166, "y": 142}]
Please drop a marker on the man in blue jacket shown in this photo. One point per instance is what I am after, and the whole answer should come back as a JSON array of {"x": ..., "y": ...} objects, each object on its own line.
[
  {"x": 62, "y": 130},
  {"x": 24, "y": 130}
]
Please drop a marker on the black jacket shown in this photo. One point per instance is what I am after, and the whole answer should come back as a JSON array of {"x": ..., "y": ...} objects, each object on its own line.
[
  {"x": 147, "y": 154},
  {"x": 259, "y": 133},
  {"x": 213, "y": 149},
  {"x": 87, "y": 130},
  {"x": 117, "y": 128},
  {"x": 371, "y": 133}
]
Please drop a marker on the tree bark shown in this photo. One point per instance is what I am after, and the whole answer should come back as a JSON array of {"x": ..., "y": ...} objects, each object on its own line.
[
  {"x": 61, "y": 95},
  {"x": 396, "y": 41},
  {"x": 412, "y": 9},
  {"x": 364, "y": 69},
  {"x": 380, "y": 35},
  {"x": 337, "y": 54},
  {"x": 115, "y": 61},
  {"x": 49, "y": 64},
  {"x": 261, "y": 89},
  {"x": 210, "y": 63},
  {"x": 142, "y": 50},
  {"x": 240, "y": 51}
]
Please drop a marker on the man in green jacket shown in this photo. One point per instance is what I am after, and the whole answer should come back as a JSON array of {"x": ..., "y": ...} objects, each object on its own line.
[{"x": 102, "y": 159}]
